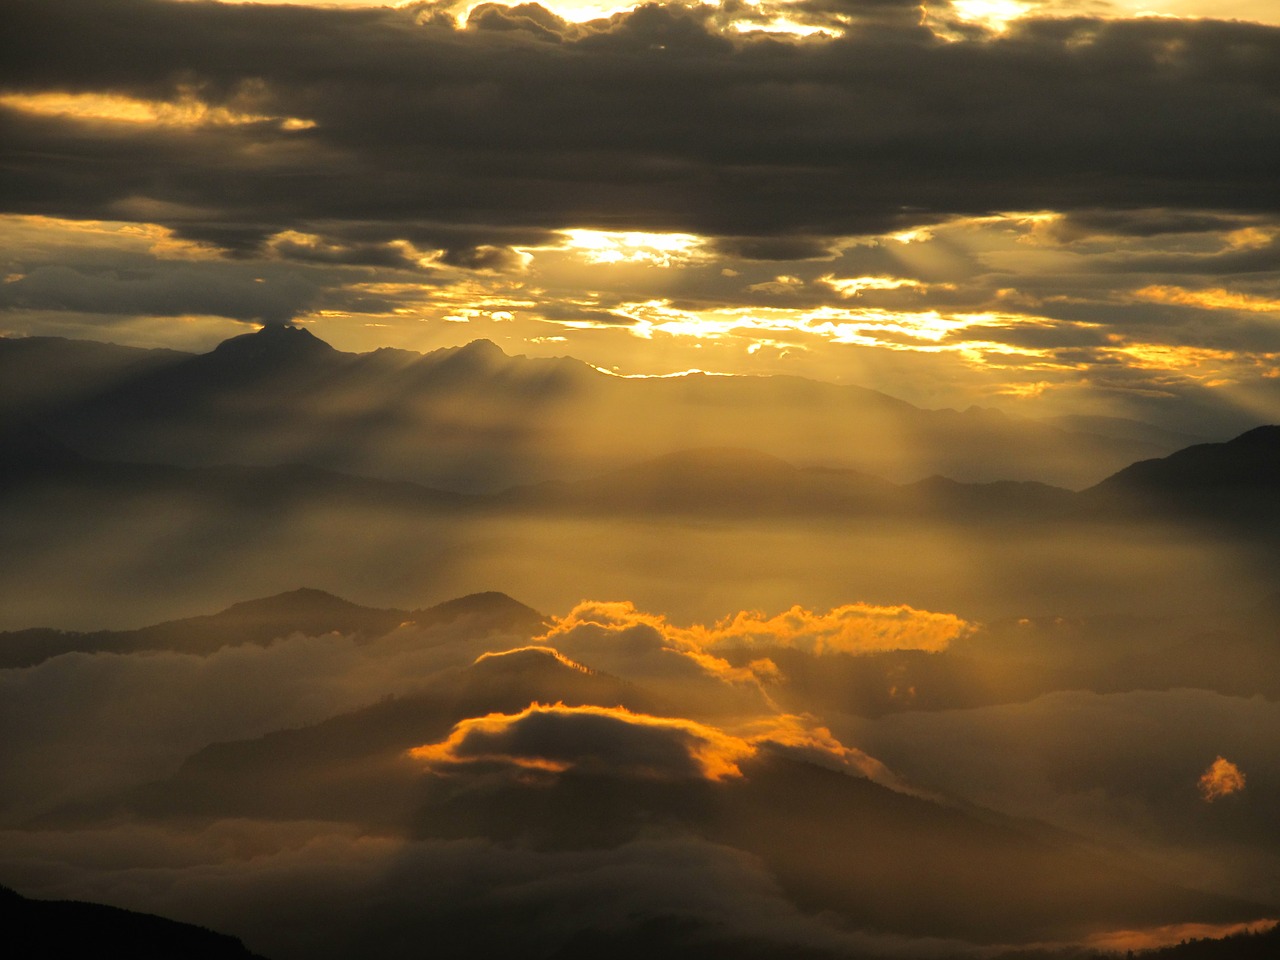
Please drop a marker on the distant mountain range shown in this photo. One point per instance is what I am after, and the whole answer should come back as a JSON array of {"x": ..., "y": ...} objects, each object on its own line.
[
  {"x": 305, "y": 611},
  {"x": 472, "y": 419},
  {"x": 1236, "y": 481},
  {"x": 276, "y": 460}
]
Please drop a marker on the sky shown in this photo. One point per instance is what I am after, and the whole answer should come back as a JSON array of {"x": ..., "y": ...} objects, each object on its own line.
[{"x": 1060, "y": 207}]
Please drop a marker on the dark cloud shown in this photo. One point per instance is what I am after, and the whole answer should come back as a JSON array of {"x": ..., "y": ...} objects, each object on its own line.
[
  {"x": 1260, "y": 258},
  {"x": 363, "y": 254},
  {"x": 164, "y": 290},
  {"x": 575, "y": 314},
  {"x": 661, "y": 118},
  {"x": 483, "y": 257},
  {"x": 1058, "y": 336},
  {"x": 1082, "y": 224},
  {"x": 775, "y": 248}
]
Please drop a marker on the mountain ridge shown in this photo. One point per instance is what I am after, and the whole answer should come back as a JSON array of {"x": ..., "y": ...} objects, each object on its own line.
[
  {"x": 77, "y": 928},
  {"x": 1215, "y": 478},
  {"x": 473, "y": 418},
  {"x": 306, "y": 610}
]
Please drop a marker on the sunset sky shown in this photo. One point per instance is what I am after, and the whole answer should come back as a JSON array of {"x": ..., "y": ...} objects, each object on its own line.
[{"x": 1047, "y": 207}]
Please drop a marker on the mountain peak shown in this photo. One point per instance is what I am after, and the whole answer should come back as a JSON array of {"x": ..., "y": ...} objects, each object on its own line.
[
  {"x": 306, "y": 599},
  {"x": 482, "y": 347},
  {"x": 274, "y": 342},
  {"x": 477, "y": 354},
  {"x": 1236, "y": 473},
  {"x": 1267, "y": 436},
  {"x": 491, "y": 607}
]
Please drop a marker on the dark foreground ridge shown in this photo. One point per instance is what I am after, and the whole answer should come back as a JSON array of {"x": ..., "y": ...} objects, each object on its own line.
[{"x": 71, "y": 928}]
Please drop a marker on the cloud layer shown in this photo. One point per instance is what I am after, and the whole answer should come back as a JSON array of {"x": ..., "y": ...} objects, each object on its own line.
[{"x": 402, "y": 125}]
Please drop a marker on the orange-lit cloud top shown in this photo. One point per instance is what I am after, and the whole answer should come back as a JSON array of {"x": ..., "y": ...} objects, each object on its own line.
[
  {"x": 794, "y": 736},
  {"x": 616, "y": 741},
  {"x": 187, "y": 110},
  {"x": 598, "y": 739},
  {"x": 618, "y": 638},
  {"x": 1215, "y": 298},
  {"x": 1222, "y": 779},
  {"x": 516, "y": 657},
  {"x": 854, "y": 628},
  {"x": 1153, "y": 938}
]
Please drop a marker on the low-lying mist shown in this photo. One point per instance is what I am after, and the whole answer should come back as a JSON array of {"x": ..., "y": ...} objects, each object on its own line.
[{"x": 865, "y": 780}]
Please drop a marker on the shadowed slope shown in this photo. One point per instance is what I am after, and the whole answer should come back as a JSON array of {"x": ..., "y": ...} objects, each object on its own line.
[
  {"x": 354, "y": 766},
  {"x": 70, "y": 928},
  {"x": 878, "y": 859},
  {"x": 1237, "y": 480}
]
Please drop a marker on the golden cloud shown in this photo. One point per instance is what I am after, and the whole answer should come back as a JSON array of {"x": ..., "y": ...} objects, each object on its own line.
[
  {"x": 557, "y": 738},
  {"x": 796, "y": 736},
  {"x": 1222, "y": 779},
  {"x": 187, "y": 110},
  {"x": 1215, "y": 298},
  {"x": 628, "y": 640},
  {"x": 513, "y": 655},
  {"x": 854, "y": 628}
]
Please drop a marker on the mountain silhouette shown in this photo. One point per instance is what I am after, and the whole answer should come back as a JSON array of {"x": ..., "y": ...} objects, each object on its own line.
[
  {"x": 491, "y": 610},
  {"x": 304, "y": 611},
  {"x": 1250, "y": 460},
  {"x": 836, "y": 843},
  {"x": 877, "y": 858},
  {"x": 272, "y": 346},
  {"x": 353, "y": 766},
  {"x": 748, "y": 483},
  {"x": 472, "y": 418},
  {"x": 1234, "y": 481},
  {"x": 72, "y": 928}
]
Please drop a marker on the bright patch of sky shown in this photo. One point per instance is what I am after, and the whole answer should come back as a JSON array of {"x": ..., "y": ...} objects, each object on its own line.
[{"x": 995, "y": 13}]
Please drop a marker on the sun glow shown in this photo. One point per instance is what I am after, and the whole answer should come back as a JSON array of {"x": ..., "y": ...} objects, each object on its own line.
[
  {"x": 654, "y": 249},
  {"x": 852, "y": 286},
  {"x": 995, "y": 15},
  {"x": 923, "y": 330},
  {"x": 781, "y": 25},
  {"x": 574, "y": 11}
]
